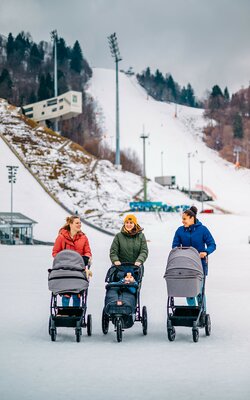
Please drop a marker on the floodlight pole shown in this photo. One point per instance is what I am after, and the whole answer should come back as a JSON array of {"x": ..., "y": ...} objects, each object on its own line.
[
  {"x": 12, "y": 170},
  {"x": 144, "y": 137},
  {"x": 54, "y": 37},
  {"x": 113, "y": 44}
]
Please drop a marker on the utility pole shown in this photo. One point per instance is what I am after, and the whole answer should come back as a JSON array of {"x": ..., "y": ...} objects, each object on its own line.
[
  {"x": 144, "y": 137},
  {"x": 12, "y": 171},
  {"x": 115, "y": 53},
  {"x": 202, "y": 163},
  {"x": 54, "y": 38},
  {"x": 237, "y": 151}
]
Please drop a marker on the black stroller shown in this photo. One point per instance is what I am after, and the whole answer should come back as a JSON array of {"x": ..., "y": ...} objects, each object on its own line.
[
  {"x": 68, "y": 277},
  {"x": 122, "y": 301},
  {"x": 184, "y": 277}
]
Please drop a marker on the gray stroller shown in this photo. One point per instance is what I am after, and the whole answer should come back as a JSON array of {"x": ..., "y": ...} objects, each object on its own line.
[
  {"x": 185, "y": 277},
  {"x": 68, "y": 277}
]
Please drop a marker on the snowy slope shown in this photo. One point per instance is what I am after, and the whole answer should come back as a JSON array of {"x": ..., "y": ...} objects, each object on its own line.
[
  {"x": 95, "y": 189},
  {"x": 174, "y": 136}
]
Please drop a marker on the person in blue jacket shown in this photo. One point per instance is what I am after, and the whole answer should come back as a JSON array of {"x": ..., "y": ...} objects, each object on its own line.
[{"x": 196, "y": 235}]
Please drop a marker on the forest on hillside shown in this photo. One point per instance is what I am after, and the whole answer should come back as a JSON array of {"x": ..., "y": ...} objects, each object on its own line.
[
  {"x": 26, "y": 76},
  {"x": 228, "y": 129}
]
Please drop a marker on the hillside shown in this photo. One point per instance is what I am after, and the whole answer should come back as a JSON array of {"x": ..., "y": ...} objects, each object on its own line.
[
  {"x": 93, "y": 188},
  {"x": 175, "y": 137}
]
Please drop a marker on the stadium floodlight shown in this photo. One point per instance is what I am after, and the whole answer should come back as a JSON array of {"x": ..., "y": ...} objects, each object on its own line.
[
  {"x": 54, "y": 38},
  {"x": 115, "y": 53},
  {"x": 12, "y": 171}
]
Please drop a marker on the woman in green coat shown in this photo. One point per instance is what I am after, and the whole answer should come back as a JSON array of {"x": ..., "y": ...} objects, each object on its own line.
[{"x": 129, "y": 245}]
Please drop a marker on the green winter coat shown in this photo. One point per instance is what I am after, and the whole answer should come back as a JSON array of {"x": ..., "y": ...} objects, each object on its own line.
[{"x": 129, "y": 248}]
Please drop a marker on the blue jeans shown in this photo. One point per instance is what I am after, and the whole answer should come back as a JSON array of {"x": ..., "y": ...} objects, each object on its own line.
[
  {"x": 191, "y": 301},
  {"x": 66, "y": 300}
]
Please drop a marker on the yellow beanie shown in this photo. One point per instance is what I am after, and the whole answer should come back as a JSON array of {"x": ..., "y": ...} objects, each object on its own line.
[{"x": 131, "y": 217}]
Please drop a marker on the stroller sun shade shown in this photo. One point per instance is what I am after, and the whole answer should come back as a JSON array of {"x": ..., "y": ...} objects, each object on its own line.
[
  {"x": 67, "y": 274},
  {"x": 184, "y": 272}
]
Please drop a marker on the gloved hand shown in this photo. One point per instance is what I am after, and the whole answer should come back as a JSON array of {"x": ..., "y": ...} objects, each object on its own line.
[
  {"x": 137, "y": 263},
  {"x": 85, "y": 260},
  {"x": 117, "y": 263}
]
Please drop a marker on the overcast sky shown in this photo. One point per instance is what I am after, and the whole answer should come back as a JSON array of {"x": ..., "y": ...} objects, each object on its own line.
[{"x": 204, "y": 42}]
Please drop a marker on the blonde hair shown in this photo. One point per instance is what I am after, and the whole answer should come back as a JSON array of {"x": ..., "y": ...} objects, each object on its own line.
[{"x": 69, "y": 221}]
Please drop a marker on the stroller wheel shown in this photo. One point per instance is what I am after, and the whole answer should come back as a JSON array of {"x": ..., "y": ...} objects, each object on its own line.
[
  {"x": 89, "y": 325},
  {"x": 78, "y": 334},
  {"x": 207, "y": 325},
  {"x": 171, "y": 334},
  {"x": 195, "y": 332},
  {"x": 144, "y": 320},
  {"x": 119, "y": 330},
  {"x": 52, "y": 330},
  {"x": 105, "y": 323}
]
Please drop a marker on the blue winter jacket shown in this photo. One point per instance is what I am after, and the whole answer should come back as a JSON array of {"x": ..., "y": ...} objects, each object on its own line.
[{"x": 197, "y": 236}]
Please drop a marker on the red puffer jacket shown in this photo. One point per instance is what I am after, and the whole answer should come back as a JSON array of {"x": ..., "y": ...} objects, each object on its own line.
[{"x": 79, "y": 243}]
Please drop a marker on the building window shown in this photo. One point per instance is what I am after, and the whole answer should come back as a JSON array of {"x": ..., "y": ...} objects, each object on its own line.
[
  {"x": 43, "y": 113},
  {"x": 74, "y": 98},
  {"x": 54, "y": 109},
  {"x": 61, "y": 107},
  {"x": 51, "y": 102},
  {"x": 60, "y": 100},
  {"x": 30, "y": 115},
  {"x": 28, "y": 109}
]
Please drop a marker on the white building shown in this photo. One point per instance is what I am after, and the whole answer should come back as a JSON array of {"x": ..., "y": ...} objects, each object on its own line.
[{"x": 65, "y": 106}]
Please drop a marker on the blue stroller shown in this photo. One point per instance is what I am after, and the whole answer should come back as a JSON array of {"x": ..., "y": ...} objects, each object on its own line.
[{"x": 122, "y": 300}]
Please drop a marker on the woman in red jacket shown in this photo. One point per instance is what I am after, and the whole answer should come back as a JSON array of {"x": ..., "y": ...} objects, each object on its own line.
[{"x": 71, "y": 237}]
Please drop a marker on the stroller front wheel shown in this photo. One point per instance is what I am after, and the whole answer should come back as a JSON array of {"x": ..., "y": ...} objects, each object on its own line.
[
  {"x": 195, "y": 333},
  {"x": 207, "y": 325},
  {"x": 105, "y": 323},
  {"x": 144, "y": 320},
  {"x": 89, "y": 325},
  {"x": 119, "y": 330}
]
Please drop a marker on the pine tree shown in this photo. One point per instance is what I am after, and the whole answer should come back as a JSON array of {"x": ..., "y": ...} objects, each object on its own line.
[
  {"x": 226, "y": 94},
  {"x": 76, "y": 63},
  {"x": 10, "y": 46},
  {"x": 62, "y": 51},
  {"x": 5, "y": 85},
  {"x": 238, "y": 126},
  {"x": 216, "y": 99},
  {"x": 43, "y": 92},
  {"x": 35, "y": 58},
  {"x": 62, "y": 82},
  {"x": 190, "y": 96},
  {"x": 49, "y": 85},
  {"x": 171, "y": 87}
]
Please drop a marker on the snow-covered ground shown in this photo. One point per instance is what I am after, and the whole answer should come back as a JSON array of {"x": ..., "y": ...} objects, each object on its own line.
[{"x": 217, "y": 367}]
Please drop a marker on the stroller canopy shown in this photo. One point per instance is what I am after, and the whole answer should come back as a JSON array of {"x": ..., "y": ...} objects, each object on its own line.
[
  {"x": 184, "y": 272},
  {"x": 68, "y": 273}
]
